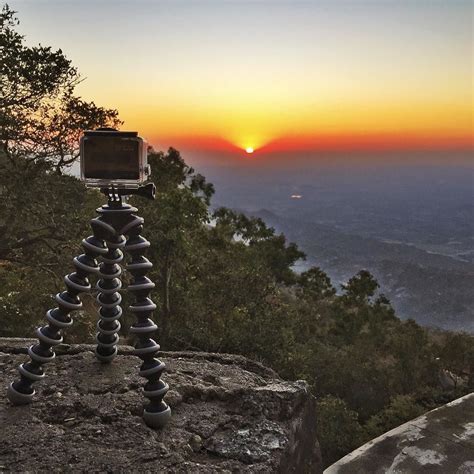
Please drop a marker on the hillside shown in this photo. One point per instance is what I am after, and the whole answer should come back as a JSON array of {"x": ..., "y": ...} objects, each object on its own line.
[{"x": 433, "y": 289}]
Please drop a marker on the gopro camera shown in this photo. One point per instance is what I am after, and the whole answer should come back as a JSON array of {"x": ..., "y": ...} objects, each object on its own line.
[{"x": 110, "y": 158}]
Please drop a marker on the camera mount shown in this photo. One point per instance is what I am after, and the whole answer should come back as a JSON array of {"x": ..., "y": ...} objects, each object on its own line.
[{"x": 116, "y": 228}]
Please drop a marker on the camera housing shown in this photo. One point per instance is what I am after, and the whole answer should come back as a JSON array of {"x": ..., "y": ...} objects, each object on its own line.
[{"x": 110, "y": 158}]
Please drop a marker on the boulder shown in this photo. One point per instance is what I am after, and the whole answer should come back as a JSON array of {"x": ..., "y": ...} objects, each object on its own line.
[
  {"x": 230, "y": 414},
  {"x": 439, "y": 442}
]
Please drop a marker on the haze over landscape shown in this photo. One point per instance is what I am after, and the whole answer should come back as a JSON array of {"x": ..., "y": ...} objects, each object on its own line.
[
  {"x": 358, "y": 114},
  {"x": 410, "y": 224}
]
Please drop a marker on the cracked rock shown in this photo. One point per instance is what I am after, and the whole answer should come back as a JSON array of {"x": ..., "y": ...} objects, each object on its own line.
[{"x": 230, "y": 414}]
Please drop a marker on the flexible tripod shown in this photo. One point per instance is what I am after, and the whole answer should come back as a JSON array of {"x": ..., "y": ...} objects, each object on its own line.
[{"x": 116, "y": 228}]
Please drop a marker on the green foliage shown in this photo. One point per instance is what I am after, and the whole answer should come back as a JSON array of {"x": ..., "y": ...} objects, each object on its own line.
[
  {"x": 360, "y": 288},
  {"x": 457, "y": 354},
  {"x": 214, "y": 273},
  {"x": 315, "y": 284},
  {"x": 176, "y": 224},
  {"x": 339, "y": 431},
  {"x": 41, "y": 214},
  {"x": 41, "y": 217},
  {"x": 400, "y": 409}
]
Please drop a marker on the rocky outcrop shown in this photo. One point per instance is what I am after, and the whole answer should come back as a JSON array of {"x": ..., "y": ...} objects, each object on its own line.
[
  {"x": 439, "y": 442},
  {"x": 230, "y": 414}
]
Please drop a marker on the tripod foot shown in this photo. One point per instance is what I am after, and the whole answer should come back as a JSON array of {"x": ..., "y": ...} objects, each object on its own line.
[
  {"x": 157, "y": 419},
  {"x": 19, "y": 398}
]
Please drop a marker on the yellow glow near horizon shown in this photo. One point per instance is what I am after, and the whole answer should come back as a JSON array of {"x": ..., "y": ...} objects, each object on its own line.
[
  {"x": 311, "y": 73},
  {"x": 255, "y": 129}
]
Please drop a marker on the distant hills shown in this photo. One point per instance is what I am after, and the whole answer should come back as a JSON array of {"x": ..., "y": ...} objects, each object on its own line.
[
  {"x": 408, "y": 220},
  {"x": 433, "y": 289}
]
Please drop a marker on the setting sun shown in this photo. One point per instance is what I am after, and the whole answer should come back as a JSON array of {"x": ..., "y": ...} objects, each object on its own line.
[{"x": 249, "y": 149}]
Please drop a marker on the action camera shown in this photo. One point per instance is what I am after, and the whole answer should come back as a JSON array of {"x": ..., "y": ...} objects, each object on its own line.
[{"x": 110, "y": 158}]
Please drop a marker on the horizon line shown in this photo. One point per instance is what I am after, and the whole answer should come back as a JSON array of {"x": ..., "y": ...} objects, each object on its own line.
[{"x": 337, "y": 143}]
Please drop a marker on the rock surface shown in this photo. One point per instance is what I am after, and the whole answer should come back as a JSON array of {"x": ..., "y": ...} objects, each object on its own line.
[
  {"x": 441, "y": 441},
  {"x": 230, "y": 414}
]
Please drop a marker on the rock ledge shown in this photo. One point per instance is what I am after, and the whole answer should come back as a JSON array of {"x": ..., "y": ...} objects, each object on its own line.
[{"x": 230, "y": 414}]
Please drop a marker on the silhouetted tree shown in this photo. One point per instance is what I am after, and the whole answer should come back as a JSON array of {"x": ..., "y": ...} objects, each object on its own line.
[{"x": 40, "y": 117}]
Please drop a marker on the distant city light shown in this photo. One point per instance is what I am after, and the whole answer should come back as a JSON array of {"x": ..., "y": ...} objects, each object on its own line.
[{"x": 296, "y": 196}]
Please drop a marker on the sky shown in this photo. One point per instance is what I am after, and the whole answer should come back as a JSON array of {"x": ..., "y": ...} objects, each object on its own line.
[{"x": 275, "y": 76}]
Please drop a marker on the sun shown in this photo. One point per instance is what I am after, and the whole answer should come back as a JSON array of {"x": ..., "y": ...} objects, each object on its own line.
[{"x": 249, "y": 149}]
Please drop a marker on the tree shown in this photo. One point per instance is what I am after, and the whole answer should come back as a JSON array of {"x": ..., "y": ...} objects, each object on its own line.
[
  {"x": 39, "y": 211},
  {"x": 360, "y": 288},
  {"x": 338, "y": 428},
  {"x": 457, "y": 354},
  {"x": 262, "y": 242},
  {"x": 316, "y": 284},
  {"x": 42, "y": 216},
  {"x": 177, "y": 215},
  {"x": 40, "y": 123},
  {"x": 40, "y": 117},
  {"x": 401, "y": 409}
]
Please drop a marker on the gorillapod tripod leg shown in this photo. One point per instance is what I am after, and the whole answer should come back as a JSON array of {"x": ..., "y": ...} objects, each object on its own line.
[
  {"x": 157, "y": 413},
  {"x": 109, "y": 300},
  {"x": 21, "y": 392}
]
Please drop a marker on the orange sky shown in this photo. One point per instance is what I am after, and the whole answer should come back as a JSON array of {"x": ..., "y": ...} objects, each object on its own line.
[{"x": 275, "y": 76}]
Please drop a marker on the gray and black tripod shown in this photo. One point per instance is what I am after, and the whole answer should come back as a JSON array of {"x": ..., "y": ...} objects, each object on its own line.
[{"x": 116, "y": 228}]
